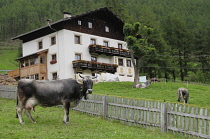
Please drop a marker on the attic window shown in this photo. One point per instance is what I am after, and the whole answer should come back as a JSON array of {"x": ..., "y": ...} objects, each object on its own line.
[
  {"x": 106, "y": 29},
  {"x": 79, "y": 22},
  {"x": 90, "y": 25}
]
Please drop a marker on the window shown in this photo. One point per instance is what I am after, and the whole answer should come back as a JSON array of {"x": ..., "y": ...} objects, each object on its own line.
[
  {"x": 32, "y": 61},
  {"x": 54, "y": 76},
  {"x": 31, "y": 77},
  {"x": 36, "y": 76},
  {"x": 120, "y": 62},
  {"x": 94, "y": 58},
  {"x": 42, "y": 59},
  {"x": 77, "y": 39},
  {"x": 22, "y": 64},
  {"x": 90, "y": 25},
  {"x": 128, "y": 63},
  {"x": 106, "y": 43},
  {"x": 53, "y": 40},
  {"x": 106, "y": 29},
  {"x": 36, "y": 60},
  {"x": 77, "y": 56},
  {"x": 40, "y": 45},
  {"x": 79, "y": 22},
  {"x": 26, "y": 62},
  {"x": 92, "y": 41},
  {"x": 54, "y": 57},
  {"x": 119, "y": 45}
]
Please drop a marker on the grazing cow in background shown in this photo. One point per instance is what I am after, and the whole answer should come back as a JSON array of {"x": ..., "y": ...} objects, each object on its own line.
[
  {"x": 183, "y": 94},
  {"x": 67, "y": 92}
]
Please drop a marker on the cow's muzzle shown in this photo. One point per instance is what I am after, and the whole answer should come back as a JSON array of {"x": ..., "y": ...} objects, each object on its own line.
[{"x": 89, "y": 91}]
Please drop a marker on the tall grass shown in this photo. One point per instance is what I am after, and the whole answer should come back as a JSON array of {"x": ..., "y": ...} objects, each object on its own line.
[
  {"x": 199, "y": 94},
  {"x": 50, "y": 126}
]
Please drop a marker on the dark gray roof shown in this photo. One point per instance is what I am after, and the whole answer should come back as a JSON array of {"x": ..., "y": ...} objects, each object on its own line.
[{"x": 69, "y": 18}]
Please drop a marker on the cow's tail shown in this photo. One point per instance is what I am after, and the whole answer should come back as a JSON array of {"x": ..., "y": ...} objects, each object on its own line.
[{"x": 17, "y": 104}]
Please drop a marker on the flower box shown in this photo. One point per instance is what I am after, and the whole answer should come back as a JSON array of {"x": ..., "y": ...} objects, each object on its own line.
[
  {"x": 116, "y": 52},
  {"x": 92, "y": 65},
  {"x": 53, "y": 61}
]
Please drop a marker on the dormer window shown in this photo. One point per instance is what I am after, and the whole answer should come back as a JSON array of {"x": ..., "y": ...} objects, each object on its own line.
[
  {"x": 106, "y": 29},
  {"x": 90, "y": 25},
  {"x": 79, "y": 22}
]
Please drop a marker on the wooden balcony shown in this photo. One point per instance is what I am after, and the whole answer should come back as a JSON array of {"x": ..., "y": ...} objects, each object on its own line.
[
  {"x": 93, "y": 66},
  {"x": 109, "y": 51},
  {"x": 14, "y": 73}
]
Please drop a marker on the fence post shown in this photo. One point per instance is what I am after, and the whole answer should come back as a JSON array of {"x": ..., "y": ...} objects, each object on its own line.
[
  {"x": 163, "y": 124},
  {"x": 105, "y": 107}
]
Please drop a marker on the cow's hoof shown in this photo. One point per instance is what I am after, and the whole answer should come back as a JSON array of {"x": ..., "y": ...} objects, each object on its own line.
[
  {"x": 34, "y": 122},
  {"x": 22, "y": 123},
  {"x": 67, "y": 123}
]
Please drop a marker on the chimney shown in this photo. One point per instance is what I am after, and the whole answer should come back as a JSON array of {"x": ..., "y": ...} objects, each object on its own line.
[{"x": 66, "y": 15}]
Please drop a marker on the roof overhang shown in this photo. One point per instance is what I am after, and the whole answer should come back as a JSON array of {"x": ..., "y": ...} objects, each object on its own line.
[
  {"x": 58, "y": 25},
  {"x": 31, "y": 55}
]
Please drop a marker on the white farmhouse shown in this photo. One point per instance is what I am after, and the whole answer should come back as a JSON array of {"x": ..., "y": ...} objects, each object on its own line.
[{"x": 88, "y": 43}]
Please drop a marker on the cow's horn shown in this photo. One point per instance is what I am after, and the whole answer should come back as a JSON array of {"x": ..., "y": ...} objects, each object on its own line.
[
  {"x": 95, "y": 76},
  {"x": 81, "y": 76}
]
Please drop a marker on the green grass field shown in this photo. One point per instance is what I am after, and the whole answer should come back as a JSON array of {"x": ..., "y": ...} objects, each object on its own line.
[
  {"x": 199, "y": 93},
  {"x": 7, "y": 59},
  {"x": 50, "y": 126}
]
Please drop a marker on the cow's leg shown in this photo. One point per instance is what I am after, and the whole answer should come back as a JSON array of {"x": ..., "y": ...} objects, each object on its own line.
[
  {"x": 66, "y": 112},
  {"x": 178, "y": 95},
  {"x": 19, "y": 113},
  {"x": 28, "y": 113}
]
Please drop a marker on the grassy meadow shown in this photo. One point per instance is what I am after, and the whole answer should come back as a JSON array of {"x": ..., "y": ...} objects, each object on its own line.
[
  {"x": 50, "y": 126},
  {"x": 7, "y": 59},
  {"x": 49, "y": 120},
  {"x": 199, "y": 93}
]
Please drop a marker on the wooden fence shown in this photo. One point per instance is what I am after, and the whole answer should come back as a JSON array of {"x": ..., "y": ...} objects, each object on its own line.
[{"x": 176, "y": 118}]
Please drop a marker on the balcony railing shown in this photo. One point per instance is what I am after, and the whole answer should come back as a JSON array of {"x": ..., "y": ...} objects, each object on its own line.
[
  {"x": 92, "y": 65},
  {"x": 109, "y": 51}
]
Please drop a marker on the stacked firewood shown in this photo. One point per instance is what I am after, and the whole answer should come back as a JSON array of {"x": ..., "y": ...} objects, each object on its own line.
[{"x": 5, "y": 80}]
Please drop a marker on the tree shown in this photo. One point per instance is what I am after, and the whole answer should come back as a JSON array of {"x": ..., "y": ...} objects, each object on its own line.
[
  {"x": 136, "y": 36},
  {"x": 118, "y": 9}
]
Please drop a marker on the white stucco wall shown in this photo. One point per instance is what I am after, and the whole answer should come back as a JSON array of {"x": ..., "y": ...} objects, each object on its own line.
[{"x": 65, "y": 49}]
